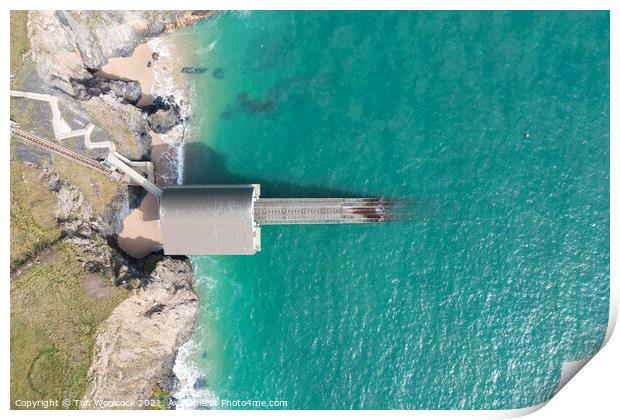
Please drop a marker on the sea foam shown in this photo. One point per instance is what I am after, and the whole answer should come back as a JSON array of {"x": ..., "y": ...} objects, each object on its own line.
[
  {"x": 165, "y": 84},
  {"x": 189, "y": 393}
]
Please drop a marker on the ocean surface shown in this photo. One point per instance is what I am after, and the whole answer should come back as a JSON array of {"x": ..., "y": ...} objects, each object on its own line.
[{"x": 494, "y": 127}]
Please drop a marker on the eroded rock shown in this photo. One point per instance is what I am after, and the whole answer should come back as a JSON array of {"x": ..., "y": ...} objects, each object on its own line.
[
  {"x": 125, "y": 91},
  {"x": 136, "y": 346},
  {"x": 67, "y": 44},
  {"x": 163, "y": 114}
]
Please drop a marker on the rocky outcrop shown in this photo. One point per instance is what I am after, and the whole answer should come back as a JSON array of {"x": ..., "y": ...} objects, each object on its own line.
[
  {"x": 136, "y": 347},
  {"x": 127, "y": 125},
  {"x": 163, "y": 120},
  {"x": 163, "y": 114},
  {"x": 124, "y": 91},
  {"x": 92, "y": 235},
  {"x": 67, "y": 44}
]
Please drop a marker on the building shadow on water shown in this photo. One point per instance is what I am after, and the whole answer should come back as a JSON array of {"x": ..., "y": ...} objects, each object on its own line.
[{"x": 210, "y": 167}]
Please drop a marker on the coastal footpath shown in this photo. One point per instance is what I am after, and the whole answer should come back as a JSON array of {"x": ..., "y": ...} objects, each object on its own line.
[{"x": 96, "y": 313}]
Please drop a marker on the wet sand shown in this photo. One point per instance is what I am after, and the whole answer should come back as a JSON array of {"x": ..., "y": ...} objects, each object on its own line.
[{"x": 141, "y": 234}]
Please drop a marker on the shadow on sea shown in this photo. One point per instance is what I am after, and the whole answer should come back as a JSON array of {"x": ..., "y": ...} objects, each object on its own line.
[{"x": 209, "y": 167}]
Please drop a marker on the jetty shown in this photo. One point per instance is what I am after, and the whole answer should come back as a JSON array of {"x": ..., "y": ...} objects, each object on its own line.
[
  {"x": 286, "y": 211},
  {"x": 227, "y": 219}
]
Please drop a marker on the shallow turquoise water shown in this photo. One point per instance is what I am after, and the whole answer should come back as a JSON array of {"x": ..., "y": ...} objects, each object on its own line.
[{"x": 502, "y": 273}]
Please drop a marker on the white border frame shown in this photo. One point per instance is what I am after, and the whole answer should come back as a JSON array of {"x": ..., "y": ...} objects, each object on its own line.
[{"x": 595, "y": 385}]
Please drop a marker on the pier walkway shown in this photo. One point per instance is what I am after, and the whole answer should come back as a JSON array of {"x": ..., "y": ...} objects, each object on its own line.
[
  {"x": 115, "y": 160},
  {"x": 280, "y": 211}
]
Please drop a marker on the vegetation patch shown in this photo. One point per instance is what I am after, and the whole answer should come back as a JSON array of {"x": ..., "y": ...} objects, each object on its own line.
[
  {"x": 20, "y": 44},
  {"x": 53, "y": 327},
  {"x": 161, "y": 399},
  {"x": 98, "y": 189},
  {"x": 33, "y": 225},
  {"x": 115, "y": 121}
]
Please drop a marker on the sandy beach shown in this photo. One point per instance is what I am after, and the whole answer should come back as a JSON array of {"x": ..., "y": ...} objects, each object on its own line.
[
  {"x": 138, "y": 66},
  {"x": 141, "y": 234}
]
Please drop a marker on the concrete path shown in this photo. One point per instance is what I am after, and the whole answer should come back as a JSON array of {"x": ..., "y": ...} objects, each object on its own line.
[{"x": 62, "y": 131}]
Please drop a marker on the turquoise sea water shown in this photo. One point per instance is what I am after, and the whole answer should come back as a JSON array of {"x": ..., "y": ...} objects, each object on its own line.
[{"x": 502, "y": 273}]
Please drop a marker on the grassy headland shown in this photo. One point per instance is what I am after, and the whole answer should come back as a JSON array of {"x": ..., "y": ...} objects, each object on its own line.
[
  {"x": 19, "y": 38},
  {"x": 33, "y": 226},
  {"x": 56, "y": 308}
]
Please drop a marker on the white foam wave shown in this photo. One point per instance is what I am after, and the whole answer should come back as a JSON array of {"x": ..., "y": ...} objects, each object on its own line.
[
  {"x": 201, "y": 51},
  {"x": 165, "y": 85},
  {"x": 180, "y": 164},
  {"x": 190, "y": 392}
]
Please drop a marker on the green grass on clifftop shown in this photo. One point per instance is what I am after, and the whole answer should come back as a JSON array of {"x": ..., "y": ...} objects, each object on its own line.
[
  {"x": 99, "y": 191},
  {"x": 19, "y": 38},
  {"x": 56, "y": 308},
  {"x": 33, "y": 225},
  {"x": 160, "y": 399}
]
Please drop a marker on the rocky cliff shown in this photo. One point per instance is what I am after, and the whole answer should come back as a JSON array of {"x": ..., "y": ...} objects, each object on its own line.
[
  {"x": 70, "y": 45},
  {"x": 136, "y": 347}
]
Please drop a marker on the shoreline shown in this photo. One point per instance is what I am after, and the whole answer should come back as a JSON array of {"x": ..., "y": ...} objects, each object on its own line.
[
  {"x": 141, "y": 233},
  {"x": 154, "y": 65},
  {"x": 132, "y": 345}
]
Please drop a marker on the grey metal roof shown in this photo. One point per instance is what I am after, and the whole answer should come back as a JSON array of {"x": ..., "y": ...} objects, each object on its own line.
[{"x": 208, "y": 219}]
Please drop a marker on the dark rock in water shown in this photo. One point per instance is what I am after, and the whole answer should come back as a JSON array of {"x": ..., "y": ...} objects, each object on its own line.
[
  {"x": 192, "y": 70},
  {"x": 149, "y": 64},
  {"x": 155, "y": 56},
  {"x": 256, "y": 106},
  {"x": 161, "y": 102},
  {"x": 218, "y": 73},
  {"x": 127, "y": 92},
  {"x": 163, "y": 114},
  {"x": 201, "y": 383}
]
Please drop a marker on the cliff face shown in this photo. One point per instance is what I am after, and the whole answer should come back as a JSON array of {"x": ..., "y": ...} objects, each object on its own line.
[
  {"x": 136, "y": 347},
  {"x": 90, "y": 232},
  {"x": 67, "y": 45}
]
